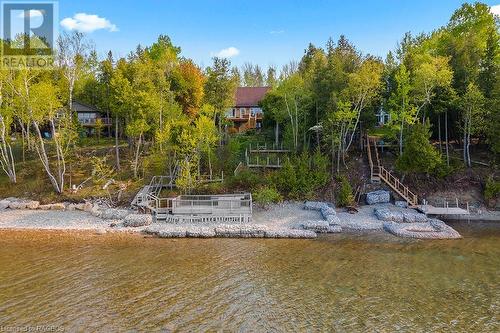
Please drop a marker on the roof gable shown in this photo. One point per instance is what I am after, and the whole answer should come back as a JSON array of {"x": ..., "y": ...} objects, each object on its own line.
[
  {"x": 250, "y": 96},
  {"x": 81, "y": 107}
]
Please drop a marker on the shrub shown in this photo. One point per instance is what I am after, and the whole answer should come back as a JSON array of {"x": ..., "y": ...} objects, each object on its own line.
[
  {"x": 245, "y": 179},
  {"x": 286, "y": 179},
  {"x": 266, "y": 195},
  {"x": 344, "y": 195},
  {"x": 301, "y": 175},
  {"x": 492, "y": 189},
  {"x": 419, "y": 155}
]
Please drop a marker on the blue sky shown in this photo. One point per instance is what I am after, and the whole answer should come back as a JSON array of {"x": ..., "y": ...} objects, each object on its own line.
[{"x": 262, "y": 32}]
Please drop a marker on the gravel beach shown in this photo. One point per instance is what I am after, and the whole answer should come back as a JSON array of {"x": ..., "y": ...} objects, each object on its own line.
[
  {"x": 276, "y": 220},
  {"x": 286, "y": 220}
]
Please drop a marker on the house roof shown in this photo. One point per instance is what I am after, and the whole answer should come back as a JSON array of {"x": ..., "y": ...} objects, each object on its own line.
[
  {"x": 81, "y": 107},
  {"x": 250, "y": 96}
]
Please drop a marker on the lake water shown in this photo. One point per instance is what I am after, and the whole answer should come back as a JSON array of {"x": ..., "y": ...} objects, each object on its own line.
[{"x": 371, "y": 282}]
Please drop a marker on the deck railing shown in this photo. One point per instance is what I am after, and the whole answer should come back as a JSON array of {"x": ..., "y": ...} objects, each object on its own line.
[
  {"x": 212, "y": 204},
  {"x": 92, "y": 121}
]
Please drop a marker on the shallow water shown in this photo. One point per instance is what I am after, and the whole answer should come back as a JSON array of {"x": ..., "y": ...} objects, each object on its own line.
[{"x": 347, "y": 282}]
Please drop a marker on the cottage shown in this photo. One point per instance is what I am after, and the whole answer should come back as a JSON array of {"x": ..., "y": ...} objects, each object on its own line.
[
  {"x": 246, "y": 113},
  {"x": 383, "y": 117},
  {"x": 88, "y": 117}
]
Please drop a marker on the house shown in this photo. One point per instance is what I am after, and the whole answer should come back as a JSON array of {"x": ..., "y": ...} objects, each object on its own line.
[
  {"x": 88, "y": 115},
  {"x": 246, "y": 112}
]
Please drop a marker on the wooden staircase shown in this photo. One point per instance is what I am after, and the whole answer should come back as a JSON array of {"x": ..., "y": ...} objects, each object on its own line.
[{"x": 379, "y": 173}]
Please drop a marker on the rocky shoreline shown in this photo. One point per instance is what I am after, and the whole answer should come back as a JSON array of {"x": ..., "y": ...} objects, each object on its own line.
[{"x": 287, "y": 220}]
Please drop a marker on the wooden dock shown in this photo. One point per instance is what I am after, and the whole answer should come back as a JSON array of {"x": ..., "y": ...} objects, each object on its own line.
[{"x": 432, "y": 210}]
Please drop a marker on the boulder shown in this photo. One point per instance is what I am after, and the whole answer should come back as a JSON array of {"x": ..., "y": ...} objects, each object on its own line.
[
  {"x": 73, "y": 206},
  {"x": 332, "y": 219},
  {"x": 95, "y": 211},
  {"x": 172, "y": 233},
  {"x": 290, "y": 233},
  {"x": 240, "y": 230},
  {"x": 54, "y": 206},
  {"x": 87, "y": 207},
  {"x": 80, "y": 206},
  {"x": 200, "y": 232},
  {"x": 17, "y": 204},
  {"x": 137, "y": 220},
  {"x": 32, "y": 204},
  {"x": 385, "y": 214},
  {"x": 377, "y": 197},
  {"x": 21, "y": 204},
  {"x": 4, "y": 204},
  {"x": 114, "y": 214},
  {"x": 315, "y": 205},
  {"x": 57, "y": 206},
  {"x": 433, "y": 229},
  {"x": 316, "y": 226},
  {"x": 412, "y": 217},
  {"x": 333, "y": 229},
  {"x": 325, "y": 211},
  {"x": 401, "y": 204}
]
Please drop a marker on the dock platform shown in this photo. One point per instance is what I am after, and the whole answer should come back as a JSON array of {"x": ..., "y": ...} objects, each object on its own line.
[{"x": 431, "y": 210}]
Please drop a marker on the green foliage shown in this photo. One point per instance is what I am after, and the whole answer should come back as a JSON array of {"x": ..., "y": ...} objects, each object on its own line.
[
  {"x": 301, "y": 175},
  {"x": 344, "y": 193},
  {"x": 266, "y": 195},
  {"x": 244, "y": 180},
  {"x": 419, "y": 155},
  {"x": 492, "y": 189},
  {"x": 101, "y": 170}
]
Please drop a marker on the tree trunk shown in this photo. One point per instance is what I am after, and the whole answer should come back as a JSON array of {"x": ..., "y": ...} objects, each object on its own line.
[
  {"x": 439, "y": 133},
  {"x": 7, "y": 159},
  {"x": 464, "y": 143},
  {"x": 401, "y": 138},
  {"x": 277, "y": 134},
  {"x": 117, "y": 149},
  {"x": 23, "y": 142},
  {"x": 446, "y": 137},
  {"x": 339, "y": 149},
  {"x": 468, "y": 139},
  {"x": 42, "y": 153},
  {"x": 136, "y": 159}
]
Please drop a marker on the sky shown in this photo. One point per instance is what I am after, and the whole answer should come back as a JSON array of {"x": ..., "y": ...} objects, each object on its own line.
[{"x": 269, "y": 32}]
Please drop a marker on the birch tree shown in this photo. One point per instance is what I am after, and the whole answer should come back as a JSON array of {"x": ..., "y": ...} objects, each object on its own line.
[
  {"x": 432, "y": 72},
  {"x": 43, "y": 106},
  {"x": 6, "y": 116},
  {"x": 472, "y": 107},
  {"x": 364, "y": 84},
  {"x": 71, "y": 56},
  {"x": 401, "y": 110}
]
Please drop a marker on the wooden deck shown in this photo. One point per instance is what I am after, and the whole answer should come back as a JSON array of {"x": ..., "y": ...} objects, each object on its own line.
[
  {"x": 431, "y": 210},
  {"x": 220, "y": 207}
]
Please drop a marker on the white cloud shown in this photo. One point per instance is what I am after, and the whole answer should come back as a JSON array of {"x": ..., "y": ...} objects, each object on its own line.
[
  {"x": 87, "y": 23},
  {"x": 495, "y": 10},
  {"x": 32, "y": 13},
  {"x": 277, "y": 32},
  {"x": 228, "y": 53}
]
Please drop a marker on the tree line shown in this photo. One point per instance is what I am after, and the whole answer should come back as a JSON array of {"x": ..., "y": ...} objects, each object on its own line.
[{"x": 172, "y": 111}]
